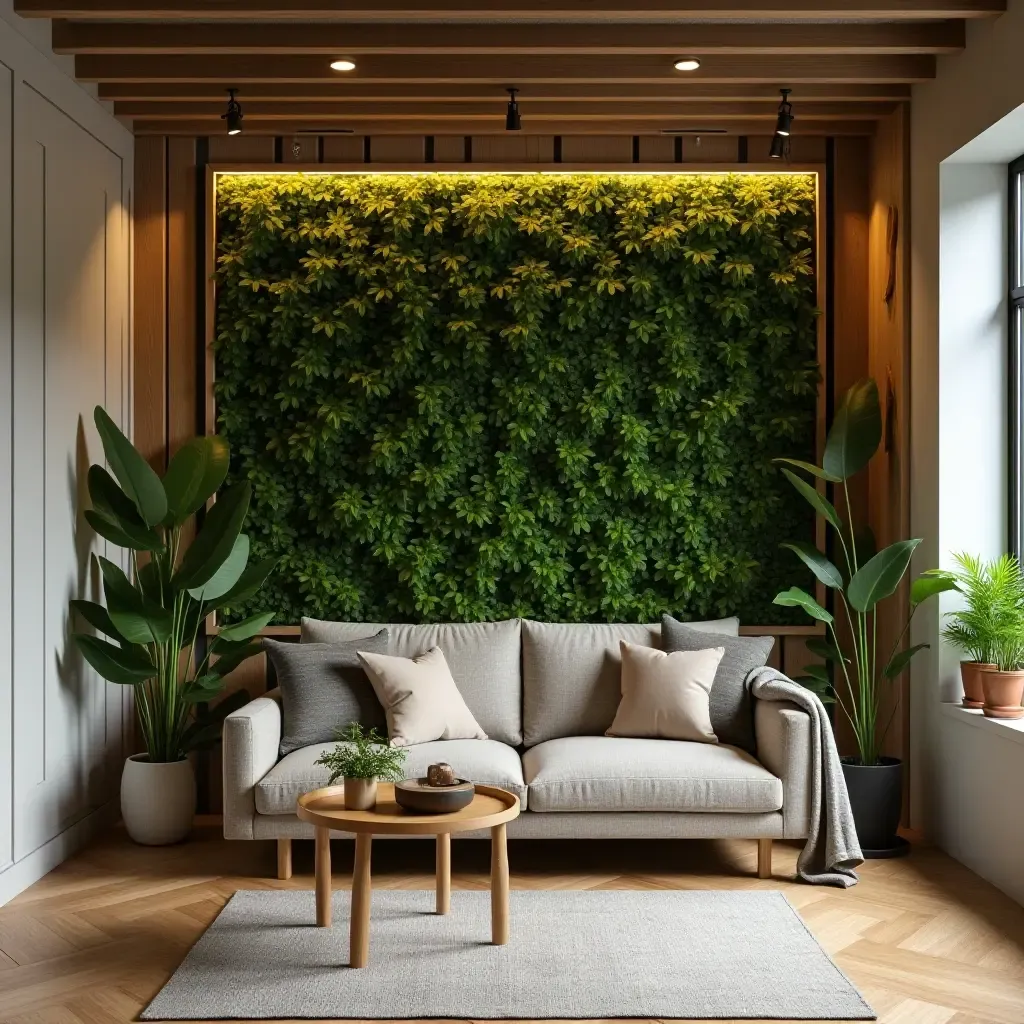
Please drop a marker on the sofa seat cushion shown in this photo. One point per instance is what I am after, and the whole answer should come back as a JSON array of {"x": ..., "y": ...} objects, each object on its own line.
[
  {"x": 604, "y": 773},
  {"x": 484, "y": 761}
]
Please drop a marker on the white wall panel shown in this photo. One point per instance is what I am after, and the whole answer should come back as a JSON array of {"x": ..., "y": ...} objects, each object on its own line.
[{"x": 65, "y": 165}]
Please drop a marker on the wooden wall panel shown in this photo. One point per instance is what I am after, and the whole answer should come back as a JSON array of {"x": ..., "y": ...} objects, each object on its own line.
[
  {"x": 512, "y": 150},
  {"x": 343, "y": 149},
  {"x": 657, "y": 149},
  {"x": 711, "y": 149},
  {"x": 241, "y": 149},
  {"x": 449, "y": 149},
  {"x": 398, "y": 149},
  {"x": 598, "y": 149}
]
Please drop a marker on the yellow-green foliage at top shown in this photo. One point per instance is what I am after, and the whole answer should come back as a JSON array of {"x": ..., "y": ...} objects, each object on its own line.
[{"x": 472, "y": 396}]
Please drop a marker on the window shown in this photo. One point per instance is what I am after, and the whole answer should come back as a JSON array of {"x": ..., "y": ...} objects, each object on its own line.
[{"x": 1016, "y": 357}]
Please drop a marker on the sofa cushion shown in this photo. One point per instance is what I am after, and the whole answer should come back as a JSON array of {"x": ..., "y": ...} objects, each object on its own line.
[
  {"x": 420, "y": 699},
  {"x": 484, "y": 658},
  {"x": 572, "y": 674},
  {"x": 323, "y": 688},
  {"x": 604, "y": 773},
  {"x": 732, "y": 707},
  {"x": 486, "y": 761}
]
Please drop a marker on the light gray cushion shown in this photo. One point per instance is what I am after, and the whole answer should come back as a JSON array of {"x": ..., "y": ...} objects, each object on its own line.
[
  {"x": 732, "y": 707},
  {"x": 572, "y": 673},
  {"x": 604, "y": 773},
  {"x": 324, "y": 687},
  {"x": 484, "y": 658},
  {"x": 486, "y": 761}
]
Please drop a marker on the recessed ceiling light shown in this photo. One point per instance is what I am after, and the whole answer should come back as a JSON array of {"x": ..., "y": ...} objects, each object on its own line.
[
  {"x": 343, "y": 65},
  {"x": 687, "y": 64}
]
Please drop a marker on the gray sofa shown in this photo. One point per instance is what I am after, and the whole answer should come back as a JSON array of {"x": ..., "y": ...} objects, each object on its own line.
[{"x": 545, "y": 693}]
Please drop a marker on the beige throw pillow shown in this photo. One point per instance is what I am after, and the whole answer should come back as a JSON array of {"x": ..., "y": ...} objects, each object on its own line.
[
  {"x": 420, "y": 699},
  {"x": 666, "y": 696}
]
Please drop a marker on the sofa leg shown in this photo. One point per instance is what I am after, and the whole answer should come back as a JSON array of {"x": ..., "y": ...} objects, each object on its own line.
[
  {"x": 764, "y": 858},
  {"x": 284, "y": 858}
]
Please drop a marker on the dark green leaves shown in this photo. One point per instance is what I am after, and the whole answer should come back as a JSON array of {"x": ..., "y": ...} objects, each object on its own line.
[
  {"x": 118, "y": 665},
  {"x": 216, "y": 539},
  {"x": 137, "y": 478},
  {"x": 139, "y": 619},
  {"x": 819, "y": 502},
  {"x": 856, "y": 431},
  {"x": 901, "y": 660},
  {"x": 797, "y": 598},
  {"x": 818, "y": 564},
  {"x": 879, "y": 577},
  {"x": 196, "y": 472}
]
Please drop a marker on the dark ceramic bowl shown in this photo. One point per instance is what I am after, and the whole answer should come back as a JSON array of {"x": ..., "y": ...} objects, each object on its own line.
[{"x": 416, "y": 795}]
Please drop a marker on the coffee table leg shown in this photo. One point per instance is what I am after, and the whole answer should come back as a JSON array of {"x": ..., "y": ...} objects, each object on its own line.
[
  {"x": 499, "y": 886},
  {"x": 359, "y": 932},
  {"x": 323, "y": 877},
  {"x": 444, "y": 872}
]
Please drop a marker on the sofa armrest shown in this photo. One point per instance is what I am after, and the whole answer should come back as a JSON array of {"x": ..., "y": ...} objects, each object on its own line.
[
  {"x": 783, "y": 734},
  {"x": 252, "y": 738}
]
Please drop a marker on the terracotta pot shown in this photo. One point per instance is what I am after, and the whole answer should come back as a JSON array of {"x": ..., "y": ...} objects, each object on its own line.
[
  {"x": 158, "y": 800},
  {"x": 360, "y": 794},
  {"x": 970, "y": 673},
  {"x": 1004, "y": 693}
]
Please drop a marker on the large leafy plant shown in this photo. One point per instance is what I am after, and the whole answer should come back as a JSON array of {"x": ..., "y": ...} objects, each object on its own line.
[
  {"x": 153, "y": 618},
  {"x": 860, "y": 676},
  {"x": 475, "y": 396}
]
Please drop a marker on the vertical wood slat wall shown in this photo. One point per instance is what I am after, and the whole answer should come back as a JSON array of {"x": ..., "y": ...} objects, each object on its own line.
[{"x": 868, "y": 175}]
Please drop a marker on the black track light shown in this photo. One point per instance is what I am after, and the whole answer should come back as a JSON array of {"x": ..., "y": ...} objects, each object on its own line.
[
  {"x": 233, "y": 115},
  {"x": 513, "y": 123},
  {"x": 784, "y": 122},
  {"x": 779, "y": 147}
]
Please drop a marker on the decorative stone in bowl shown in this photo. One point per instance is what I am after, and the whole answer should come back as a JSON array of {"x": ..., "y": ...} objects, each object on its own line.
[{"x": 440, "y": 792}]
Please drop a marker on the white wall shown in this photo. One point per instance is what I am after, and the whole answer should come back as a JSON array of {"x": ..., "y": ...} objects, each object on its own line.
[
  {"x": 966, "y": 127},
  {"x": 65, "y": 177}
]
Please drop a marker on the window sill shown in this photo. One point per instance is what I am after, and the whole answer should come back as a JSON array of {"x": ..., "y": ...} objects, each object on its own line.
[{"x": 1008, "y": 728}]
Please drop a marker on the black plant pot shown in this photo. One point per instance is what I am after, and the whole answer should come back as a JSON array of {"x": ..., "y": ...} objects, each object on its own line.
[{"x": 876, "y": 798}]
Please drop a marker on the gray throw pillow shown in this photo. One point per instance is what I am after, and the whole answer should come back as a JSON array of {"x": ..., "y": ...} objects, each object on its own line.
[
  {"x": 732, "y": 708},
  {"x": 324, "y": 687}
]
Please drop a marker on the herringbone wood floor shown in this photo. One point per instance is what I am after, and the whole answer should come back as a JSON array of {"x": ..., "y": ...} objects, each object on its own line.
[{"x": 926, "y": 941}]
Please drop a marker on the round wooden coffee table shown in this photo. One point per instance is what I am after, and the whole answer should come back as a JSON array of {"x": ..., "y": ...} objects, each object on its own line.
[{"x": 325, "y": 808}]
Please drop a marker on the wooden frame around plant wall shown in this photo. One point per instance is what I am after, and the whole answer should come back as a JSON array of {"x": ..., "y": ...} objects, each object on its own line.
[{"x": 821, "y": 278}]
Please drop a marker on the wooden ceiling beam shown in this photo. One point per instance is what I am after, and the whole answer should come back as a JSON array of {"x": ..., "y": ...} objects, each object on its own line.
[
  {"x": 512, "y": 10},
  {"x": 616, "y": 126},
  {"x": 518, "y": 71},
  {"x": 345, "y": 92},
  {"x": 495, "y": 110},
  {"x": 355, "y": 40}
]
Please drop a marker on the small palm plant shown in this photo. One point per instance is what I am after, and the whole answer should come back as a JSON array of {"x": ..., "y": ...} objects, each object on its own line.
[
  {"x": 365, "y": 755},
  {"x": 152, "y": 619},
  {"x": 870, "y": 577},
  {"x": 993, "y": 593}
]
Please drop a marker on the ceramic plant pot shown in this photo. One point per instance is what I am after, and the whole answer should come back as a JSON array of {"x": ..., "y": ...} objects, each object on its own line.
[
  {"x": 970, "y": 673},
  {"x": 158, "y": 800},
  {"x": 360, "y": 794},
  {"x": 1004, "y": 692},
  {"x": 876, "y": 799}
]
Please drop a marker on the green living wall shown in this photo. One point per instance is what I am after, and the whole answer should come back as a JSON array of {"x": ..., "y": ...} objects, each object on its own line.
[{"x": 473, "y": 396}]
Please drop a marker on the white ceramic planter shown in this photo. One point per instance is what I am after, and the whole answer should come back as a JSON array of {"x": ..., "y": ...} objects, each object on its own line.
[
  {"x": 158, "y": 801},
  {"x": 360, "y": 794}
]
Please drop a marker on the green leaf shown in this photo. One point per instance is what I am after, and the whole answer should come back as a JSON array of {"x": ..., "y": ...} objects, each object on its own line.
[
  {"x": 818, "y": 672},
  {"x": 928, "y": 584},
  {"x": 216, "y": 540},
  {"x": 878, "y": 578},
  {"x": 822, "y": 691},
  {"x": 811, "y": 468},
  {"x": 797, "y": 598},
  {"x": 822, "y": 648},
  {"x": 901, "y": 660},
  {"x": 124, "y": 534},
  {"x": 139, "y": 619},
  {"x": 246, "y": 628},
  {"x": 856, "y": 431},
  {"x": 819, "y": 501},
  {"x": 248, "y": 585},
  {"x": 822, "y": 568},
  {"x": 203, "y": 688},
  {"x": 96, "y": 615},
  {"x": 227, "y": 575},
  {"x": 108, "y": 498},
  {"x": 126, "y": 666},
  {"x": 230, "y": 656},
  {"x": 133, "y": 472},
  {"x": 197, "y": 470}
]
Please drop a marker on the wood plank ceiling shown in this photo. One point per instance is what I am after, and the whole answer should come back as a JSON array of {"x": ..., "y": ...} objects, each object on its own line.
[{"x": 442, "y": 66}]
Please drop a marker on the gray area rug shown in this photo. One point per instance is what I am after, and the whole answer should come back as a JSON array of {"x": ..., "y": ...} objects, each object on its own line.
[{"x": 572, "y": 954}]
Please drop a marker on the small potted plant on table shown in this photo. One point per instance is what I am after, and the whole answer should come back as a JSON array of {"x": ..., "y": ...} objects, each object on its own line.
[
  {"x": 362, "y": 759},
  {"x": 1003, "y": 684}
]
